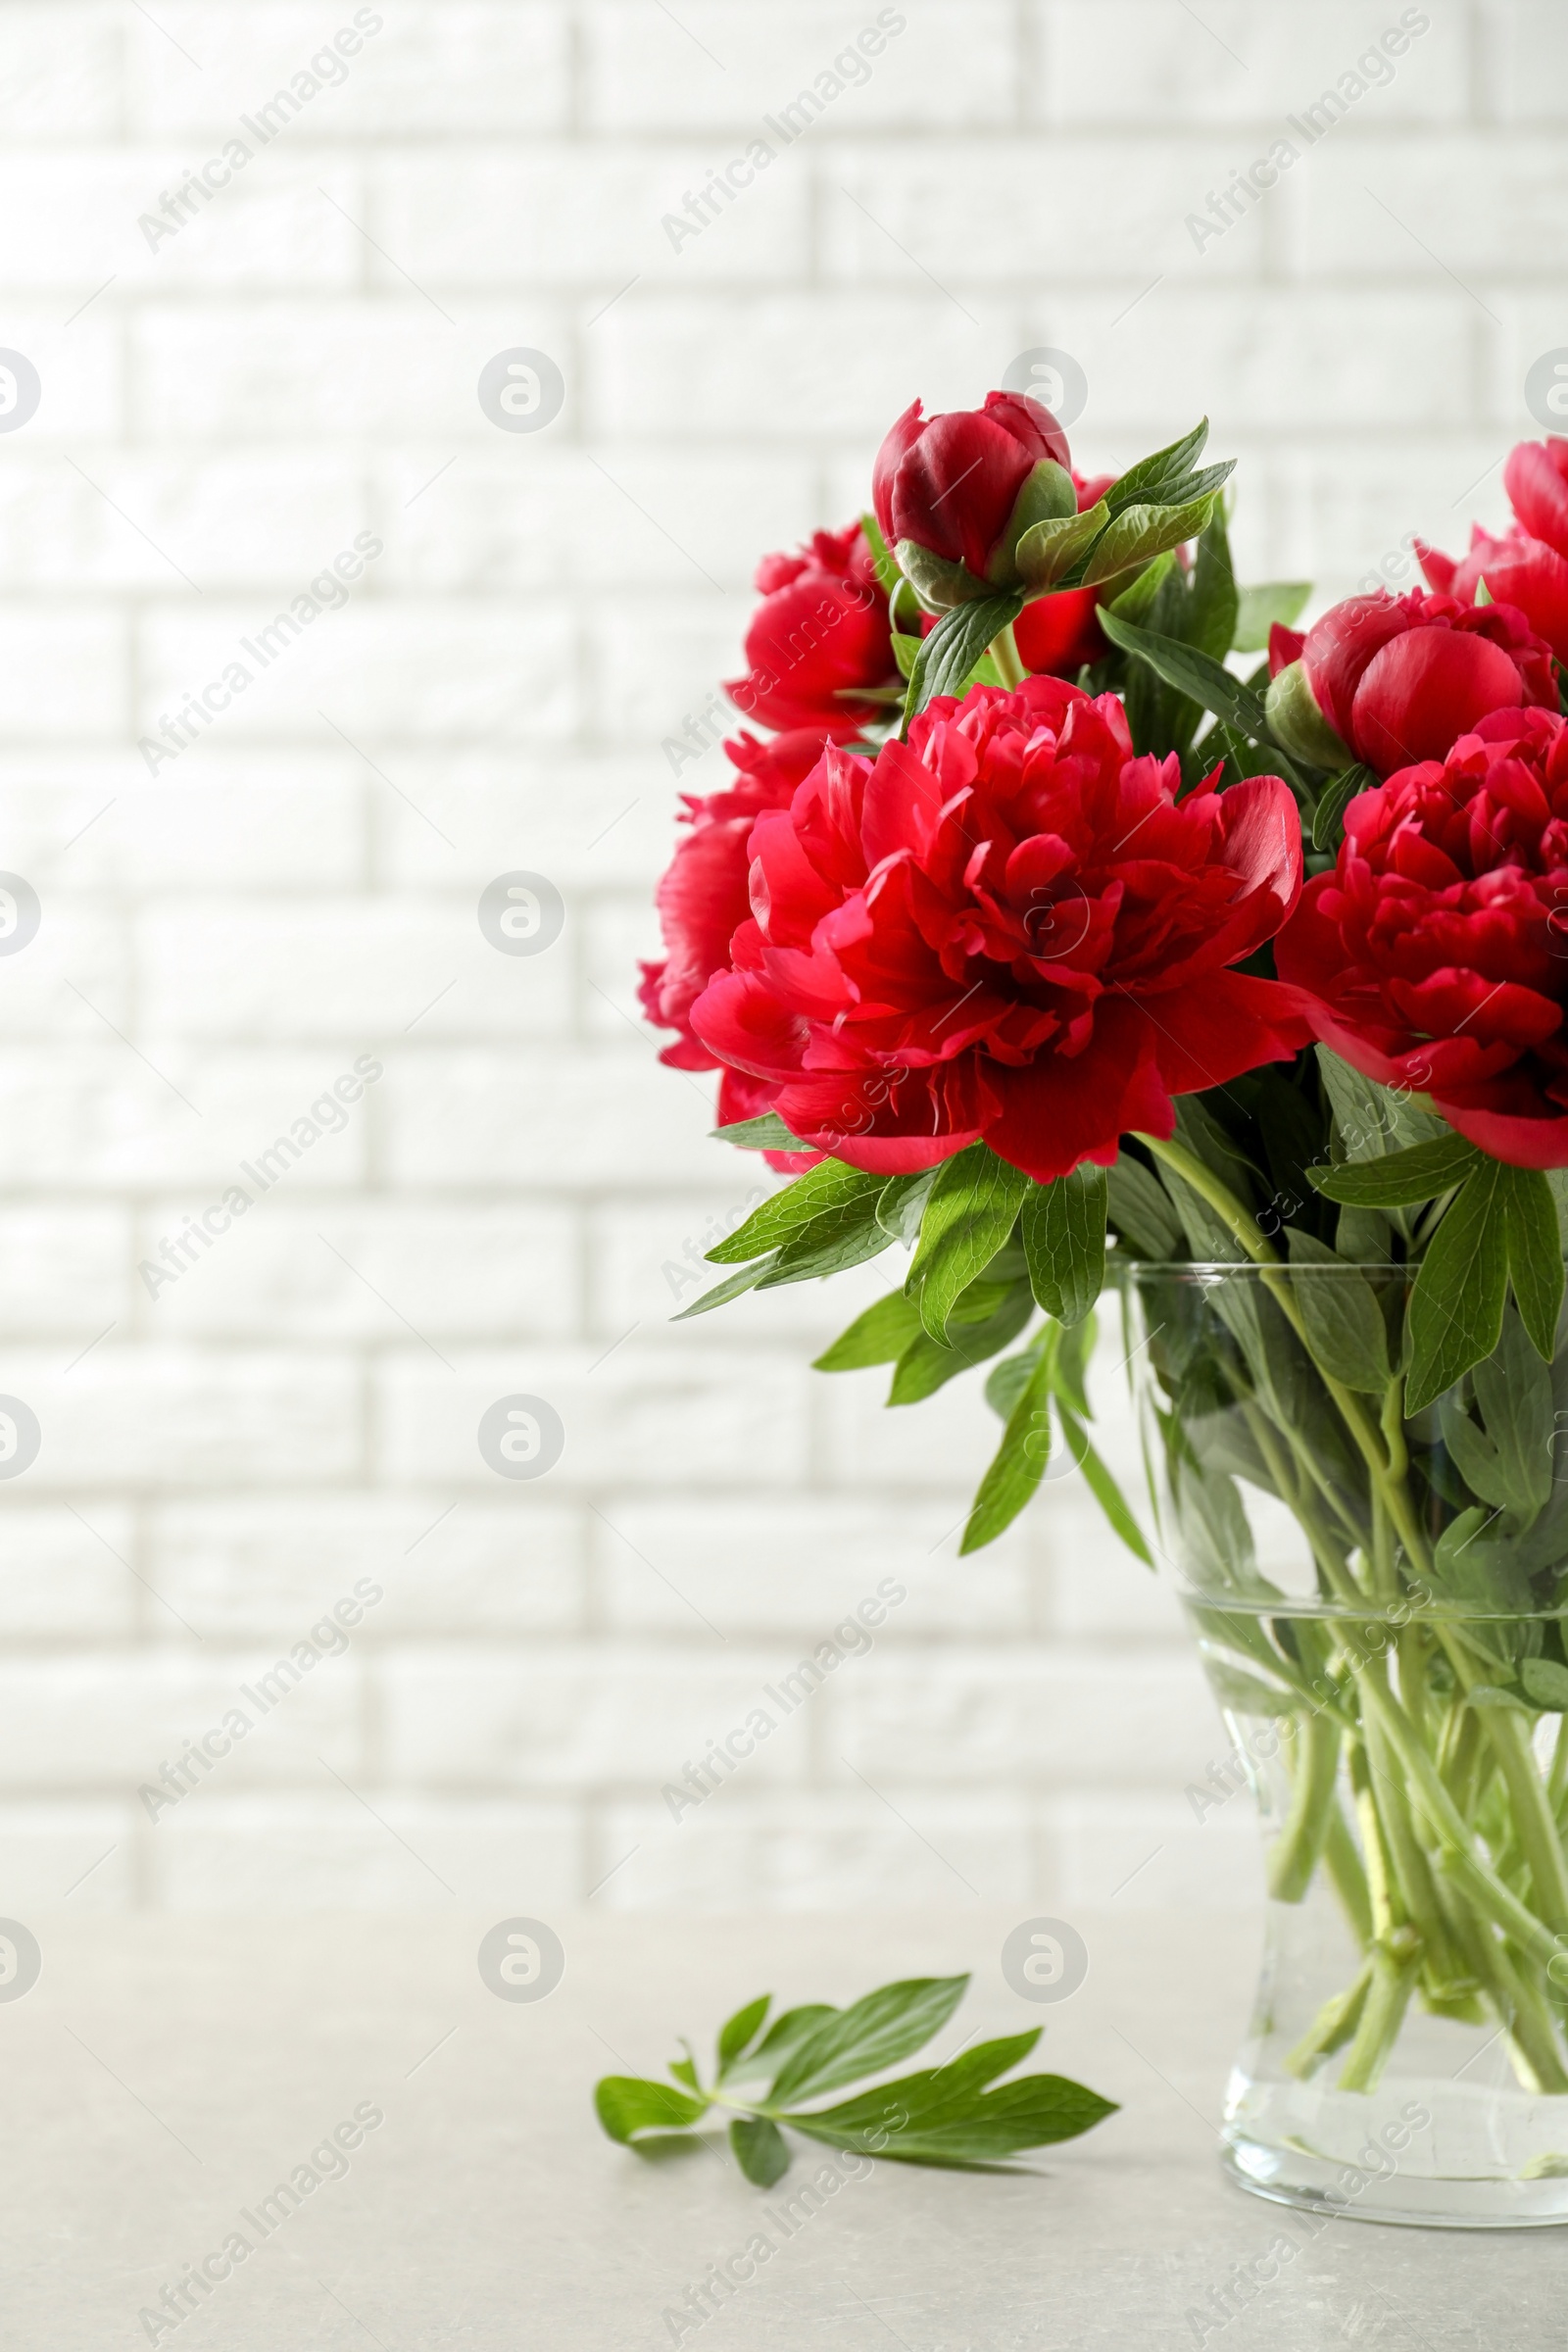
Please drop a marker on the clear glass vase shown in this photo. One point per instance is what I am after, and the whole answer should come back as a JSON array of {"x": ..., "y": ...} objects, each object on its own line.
[{"x": 1379, "y": 1599}]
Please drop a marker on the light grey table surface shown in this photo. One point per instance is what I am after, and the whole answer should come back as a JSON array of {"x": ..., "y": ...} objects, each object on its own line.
[{"x": 163, "y": 2075}]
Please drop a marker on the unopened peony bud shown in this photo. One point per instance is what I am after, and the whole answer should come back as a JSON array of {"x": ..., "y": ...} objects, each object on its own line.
[{"x": 950, "y": 484}]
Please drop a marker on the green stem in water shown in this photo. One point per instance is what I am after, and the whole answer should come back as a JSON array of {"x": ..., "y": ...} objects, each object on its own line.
[
  {"x": 1533, "y": 1818},
  {"x": 1457, "y": 1856},
  {"x": 1445, "y": 1977},
  {"x": 1462, "y": 1753},
  {"x": 1420, "y": 1921},
  {"x": 1344, "y": 1865},
  {"x": 1379, "y": 1901},
  {"x": 1334, "y": 2024},
  {"x": 1516, "y": 1999},
  {"x": 1296, "y": 1851},
  {"x": 1394, "y": 1965}
]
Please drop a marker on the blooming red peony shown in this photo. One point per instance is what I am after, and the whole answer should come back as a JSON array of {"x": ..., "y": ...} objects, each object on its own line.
[
  {"x": 1006, "y": 927},
  {"x": 702, "y": 897},
  {"x": 1435, "y": 954},
  {"x": 949, "y": 483},
  {"x": 1401, "y": 678},
  {"x": 820, "y": 630},
  {"x": 1060, "y": 634},
  {"x": 1527, "y": 567}
]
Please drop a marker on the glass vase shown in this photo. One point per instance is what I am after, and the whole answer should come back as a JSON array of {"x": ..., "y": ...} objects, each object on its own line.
[{"x": 1379, "y": 1600}]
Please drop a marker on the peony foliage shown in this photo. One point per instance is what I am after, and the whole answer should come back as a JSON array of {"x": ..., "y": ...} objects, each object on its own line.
[{"x": 1048, "y": 932}]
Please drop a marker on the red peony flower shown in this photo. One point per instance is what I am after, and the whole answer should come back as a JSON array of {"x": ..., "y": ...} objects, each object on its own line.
[
  {"x": 1536, "y": 478},
  {"x": 1527, "y": 567},
  {"x": 1060, "y": 634},
  {"x": 702, "y": 899},
  {"x": 1285, "y": 645},
  {"x": 1396, "y": 679},
  {"x": 823, "y": 627},
  {"x": 949, "y": 483},
  {"x": 1006, "y": 927},
  {"x": 1435, "y": 954}
]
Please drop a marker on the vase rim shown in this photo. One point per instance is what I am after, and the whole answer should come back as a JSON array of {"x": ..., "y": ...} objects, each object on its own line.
[
  {"x": 1406, "y": 1611},
  {"x": 1209, "y": 1269}
]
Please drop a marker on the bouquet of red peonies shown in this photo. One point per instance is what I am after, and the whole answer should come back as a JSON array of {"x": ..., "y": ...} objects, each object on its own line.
[
  {"x": 1049, "y": 938},
  {"x": 1037, "y": 919}
]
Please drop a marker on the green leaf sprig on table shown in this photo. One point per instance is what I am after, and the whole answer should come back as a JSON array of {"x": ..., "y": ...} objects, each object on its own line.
[{"x": 960, "y": 2116}]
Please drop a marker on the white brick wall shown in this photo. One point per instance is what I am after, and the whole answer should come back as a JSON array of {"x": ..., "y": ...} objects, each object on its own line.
[{"x": 221, "y": 415}]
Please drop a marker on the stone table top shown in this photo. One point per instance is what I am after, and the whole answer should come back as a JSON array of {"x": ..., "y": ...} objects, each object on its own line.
[{"x": 164, "y": 2075}]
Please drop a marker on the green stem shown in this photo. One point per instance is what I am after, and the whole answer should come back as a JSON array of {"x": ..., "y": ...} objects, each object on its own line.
[
  {"x": 1457, "y": 1856},
  {"x": 1380, "y": 1898},
  {"x": 1413, "y": 1689},
  {"x": 1237, "y": 1222},
  {"x": 1331, "y": 1565},
  {"x": 1532, "y": 2034},
  {"x": 1334, "y": 2024},
  {"x": 1517, "y": 2003},
  {"x": 1420, "y": 1924},
  {"x": 1441, "y": 1968},
  {"x": 1296, "y": 1851},
  {"x": 1395, "y": 1966},
  {"x": 1352, "y": 1412},
  {"x": 1558, "y": 1787},
  {"x": 1461, "y": 1755},
  {"x": 1349, "y": 1879},
  {"x": 1533, "y": 1819},
  {"x": 1005, "y": 654}
]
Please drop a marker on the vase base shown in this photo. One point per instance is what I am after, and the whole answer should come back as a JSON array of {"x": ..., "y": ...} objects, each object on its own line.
[{"x": 1315, "y": 2184}]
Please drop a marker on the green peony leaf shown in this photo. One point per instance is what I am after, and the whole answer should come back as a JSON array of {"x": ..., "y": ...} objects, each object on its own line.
[
  {"x": 902, "y": 1205},
  {"x": 1138, "y": 600},
  {"x": 874, "y": 2031},
  {"x": 1140, "y": 532},
  {"x": 878, "y": 1336},
  {"x": 760, "y": 2149},
  {"x": 1139, "y": 1206},
  {"x": 1006, "y": 1382},
  {"x": 1328, "y": 818},
  {"x": 1546, "y": 1683},
  {"x": 958, "y": 2115},
  {"x": 1019, "y": 1463},
  {"x": 1344, "y": 1323},
  {"x": 738, "y": 2033},
  {"x": 949, "y": 654},
  {"x": 1063, "y": 1228},
  {"x": 1259, "y": 609},
  {"x": 767, "y": 1134},
  {"x": 628, "y": 2105},
  {"x": 1456, "y": 1310},
  {"x": 941, "y": 584},
  {"x": 829, "y": 1185},
  {"x": 927, "y": 1364},
  {"x": 1213, "y": 599},
  {"x": 1400, "y": 1178},
  {"x": 973, "y": 1206},
  {"x": 882, "y": 560},
  {"x": 1196, "y": 674},
  {"x": 1101, "y": 1485},
  {"x": 1047, "y": 551},
  {"x": 732, "y": 1288},
  {"x": 843, "y": 1236},
  {"x": 1535, "y": 1254},
  {"x": 1151, "y": 477}
]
